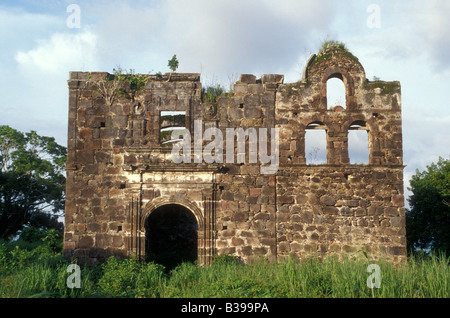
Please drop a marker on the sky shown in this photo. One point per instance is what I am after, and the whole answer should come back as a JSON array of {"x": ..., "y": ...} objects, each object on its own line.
[{"x": 42, "y": 41}]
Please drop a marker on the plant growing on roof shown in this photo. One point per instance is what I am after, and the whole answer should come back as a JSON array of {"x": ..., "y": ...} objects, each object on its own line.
[
  {"x": 112, "y": 85},
  {"x": 173, "y": 65}
]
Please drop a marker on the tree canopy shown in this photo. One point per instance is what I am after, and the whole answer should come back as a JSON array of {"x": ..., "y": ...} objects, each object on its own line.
[
  {"x": 428, "y": 220},
  {"x": 173, "y": 63},
  {"x": 32, "y": 181}
]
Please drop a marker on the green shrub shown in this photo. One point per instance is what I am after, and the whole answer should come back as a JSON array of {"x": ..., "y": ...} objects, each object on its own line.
[
  {"x": 4, "y": 258},
  {"x": 119, "y": 277},
  {"x": 211, "y": 93},
  {"x": 127, "y": 277}
]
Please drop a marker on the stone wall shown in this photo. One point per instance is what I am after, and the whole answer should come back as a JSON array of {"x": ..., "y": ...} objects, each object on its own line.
[{"x": 120, "y": 169}]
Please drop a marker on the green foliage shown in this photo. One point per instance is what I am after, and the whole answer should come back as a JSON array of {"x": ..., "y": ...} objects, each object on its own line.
[
  {"x": 119, "y": 277},
  {"x": 210, "y": 93},
  {"x": 32, "y": 234},
  {"x": 173, "y": 63},
  {"x": 20, "y": 254},
  {"x": 52, "y": 241},
  {"x": 42, "y": 273},
  {"x": 137, "y": 82},
  {"x": 330, "y": 49},
  {"x": 176, "y": 120},
  {"x": 386, "y": 87},
  {"x": 32, "y": 181},
  {"x": 335, "y": 44},
  {"x": 46, "y": 276},
  {"x": 428, "y": 220},
  {"x": 29, "y": 153},
  {"x": 125, "y": 278},
  {"x": 166, "y": 135},
  {"x": 225, "y": 260}
]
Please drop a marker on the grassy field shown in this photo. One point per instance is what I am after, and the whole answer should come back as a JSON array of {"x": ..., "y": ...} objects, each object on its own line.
[{"x": 42, "y": 272}]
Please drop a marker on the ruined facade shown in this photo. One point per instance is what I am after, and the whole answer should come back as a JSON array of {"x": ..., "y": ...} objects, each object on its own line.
[{"x": 126, "y": 195}]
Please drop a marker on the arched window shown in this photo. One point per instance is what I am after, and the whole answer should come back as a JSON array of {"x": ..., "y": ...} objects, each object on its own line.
[
  {"x": 358, "y": 143},
  {"x": 315, "y": 143},
  {"x": 335, "y": 91}
]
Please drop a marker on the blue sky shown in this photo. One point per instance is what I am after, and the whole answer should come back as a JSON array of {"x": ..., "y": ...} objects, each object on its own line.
[{"x": 221, "y": 39}]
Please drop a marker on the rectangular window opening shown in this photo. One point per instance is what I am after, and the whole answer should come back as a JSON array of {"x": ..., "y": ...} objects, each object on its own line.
[
  {"x": 358, "y": 147},
  {"x": 316, "y": 146},
  {"x": 171, "y": 122}
]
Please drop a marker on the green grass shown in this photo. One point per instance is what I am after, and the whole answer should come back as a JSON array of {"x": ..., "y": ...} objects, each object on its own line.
[{"x": 30, "y": 274}]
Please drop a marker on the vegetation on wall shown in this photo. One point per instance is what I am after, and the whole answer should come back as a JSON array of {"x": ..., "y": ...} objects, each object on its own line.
[
  {"x": 386, "y": 87},
  {"x": 330, "y": 49},
  {"x": 211, "y": 93},
  {"x": 137, "y": 82},
  {"x": 333, "y": 45}
]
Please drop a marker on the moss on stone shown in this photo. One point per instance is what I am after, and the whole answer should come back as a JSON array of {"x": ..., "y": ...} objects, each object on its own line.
[
  {"x": 333, "y": 48},
  {"x": 386, "y": 87}
]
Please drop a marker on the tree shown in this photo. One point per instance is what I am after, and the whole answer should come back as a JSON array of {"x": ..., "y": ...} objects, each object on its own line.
[
  {"x": 32, "y": 181},
  {"x": 173, "y": 65},
  {"x": 428, "y": 220}
]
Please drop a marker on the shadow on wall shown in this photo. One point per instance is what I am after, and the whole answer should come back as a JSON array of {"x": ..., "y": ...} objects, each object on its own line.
[{"x": 171, "y": 236}]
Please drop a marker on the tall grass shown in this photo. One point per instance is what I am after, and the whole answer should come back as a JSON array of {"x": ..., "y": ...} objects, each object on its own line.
[{"x": 46, "y": 276}]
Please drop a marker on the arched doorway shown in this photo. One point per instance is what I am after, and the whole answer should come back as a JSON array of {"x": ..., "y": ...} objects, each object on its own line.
[{"x": 171, "y": 235}]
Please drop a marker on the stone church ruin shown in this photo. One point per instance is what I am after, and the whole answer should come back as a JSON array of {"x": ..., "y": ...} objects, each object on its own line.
[{"x": 126, "y": 195}]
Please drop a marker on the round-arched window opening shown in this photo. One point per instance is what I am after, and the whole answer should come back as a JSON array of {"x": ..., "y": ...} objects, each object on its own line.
[
  {"x": 171, "y": 235},
  {"x": 335, "y": 92}
]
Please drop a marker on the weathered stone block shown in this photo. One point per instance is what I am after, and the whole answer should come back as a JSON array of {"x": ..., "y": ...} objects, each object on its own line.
[
  {"x": 285, "y": 199},
  {"x": 255, "y": 191},
  {"x": 398, "y": 200},
  {"x": 330, "y": 210},
  {"x": 237, "y": 241},
  {"x": 390, "y": 211},
  {"x": 86, "y": 242},
  {"x": 327, "y": 200},
  {"x": 272, "y": 78},
  {"x": 239, "y": 217},
  {"x": 346, "y": 211},
  {"x": 247, "y": 78},
  {"x": 374, "y": 210},
  {"x": 360, "y": 212},
  {"x": 397, "y": 221},
  {"x": 240, "y": 89}
]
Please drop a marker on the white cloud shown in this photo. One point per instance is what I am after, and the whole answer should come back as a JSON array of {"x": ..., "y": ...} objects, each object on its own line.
[
  {"x": 433, "y": 25},
  {"x": 38, "y": 98},
  {"x": 221, "y": 37},
  {"x": 61, "y": 53},
  {"x": 409, "y": 30}
]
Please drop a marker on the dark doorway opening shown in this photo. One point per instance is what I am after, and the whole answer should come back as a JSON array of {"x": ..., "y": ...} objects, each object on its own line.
[{"x": 171, "y": 236}]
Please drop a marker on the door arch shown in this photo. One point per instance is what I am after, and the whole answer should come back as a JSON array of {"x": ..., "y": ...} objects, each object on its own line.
[{"x": 171, "y": 235}]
